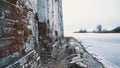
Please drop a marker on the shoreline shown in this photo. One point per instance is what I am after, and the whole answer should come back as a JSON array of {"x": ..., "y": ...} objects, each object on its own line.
[
  {"x": 95, "y": 58},
  {"x": 71, "y": 53},
  {"x": 105, "y": 63}
]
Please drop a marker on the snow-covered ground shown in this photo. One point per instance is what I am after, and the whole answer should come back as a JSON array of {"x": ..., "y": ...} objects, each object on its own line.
[{"x": 103, "y": 46}]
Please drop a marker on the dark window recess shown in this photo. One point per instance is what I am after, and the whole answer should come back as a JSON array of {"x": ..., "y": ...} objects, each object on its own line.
[
  {"x": 56, "y": 33},
  {"x": 36, "y": 16},
  {"x": 42, "y": 27},
  {"x": 48, "y": 22},
  {"x": 31, "y": 9}
]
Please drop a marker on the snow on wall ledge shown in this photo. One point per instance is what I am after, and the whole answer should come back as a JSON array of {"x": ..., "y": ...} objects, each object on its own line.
[{"x": 21, "y": 31}]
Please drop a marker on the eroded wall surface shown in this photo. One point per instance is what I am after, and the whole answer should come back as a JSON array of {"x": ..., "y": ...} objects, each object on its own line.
[
  {"x": 50, "y": 15},
  {"x": 25, "y": 26},
  {"x": 18, "y": 34}
]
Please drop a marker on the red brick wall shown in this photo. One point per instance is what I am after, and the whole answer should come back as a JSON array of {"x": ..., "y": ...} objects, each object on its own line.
[
  {"x": 22, "y": 36},
  {"x": 17, "y": 33}
]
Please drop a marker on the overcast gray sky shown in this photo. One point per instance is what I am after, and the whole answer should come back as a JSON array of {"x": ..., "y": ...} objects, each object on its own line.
[{"x": 88, "y": 14}]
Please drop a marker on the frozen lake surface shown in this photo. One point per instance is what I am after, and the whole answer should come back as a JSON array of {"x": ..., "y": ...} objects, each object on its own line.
[{"x": 106, "y": 46}]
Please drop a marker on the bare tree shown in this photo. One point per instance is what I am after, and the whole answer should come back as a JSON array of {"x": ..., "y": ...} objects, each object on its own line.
[{"x": 99, "y": 28}]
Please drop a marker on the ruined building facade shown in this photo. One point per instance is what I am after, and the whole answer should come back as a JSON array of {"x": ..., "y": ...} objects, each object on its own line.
[{"x": 28, "y": 28}]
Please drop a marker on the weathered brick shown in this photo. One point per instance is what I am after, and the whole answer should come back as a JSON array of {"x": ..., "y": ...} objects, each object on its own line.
[
  {"x": 13, "y": 16},
  {"x": 15, "y": 13},
  {"x": 27, "y": 32},
  {"x": 16, "y": 47},
  {"x": 12, "y": 1},
  {"x": 20, "y": 41},
  {"x": 14, "y": 32},
  {"x": 6, "y": 23},
  {"x": 20, "y": 26},
  {"x": 9, "y": 34},
  {"x": 17, "y": 40},
  {"x": 11, "y": 50},
  {"x": 25, "y": 12},
  {"x": 10, "y": 25}
]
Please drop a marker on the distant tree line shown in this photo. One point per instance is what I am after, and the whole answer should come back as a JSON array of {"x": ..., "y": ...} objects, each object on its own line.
[
  {"x": 83, "y": 31},
  {"x": 99, "y": 29},
  {"x": 115, "y": 30}
]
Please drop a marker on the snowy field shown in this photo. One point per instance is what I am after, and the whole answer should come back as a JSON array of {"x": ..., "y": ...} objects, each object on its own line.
[{"x": 106, "y": 47}]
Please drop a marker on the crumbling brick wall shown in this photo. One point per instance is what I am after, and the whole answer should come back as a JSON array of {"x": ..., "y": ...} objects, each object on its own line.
[
  {"x": 18, "y": 33},
  {"x": 23, "y": 34}
]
